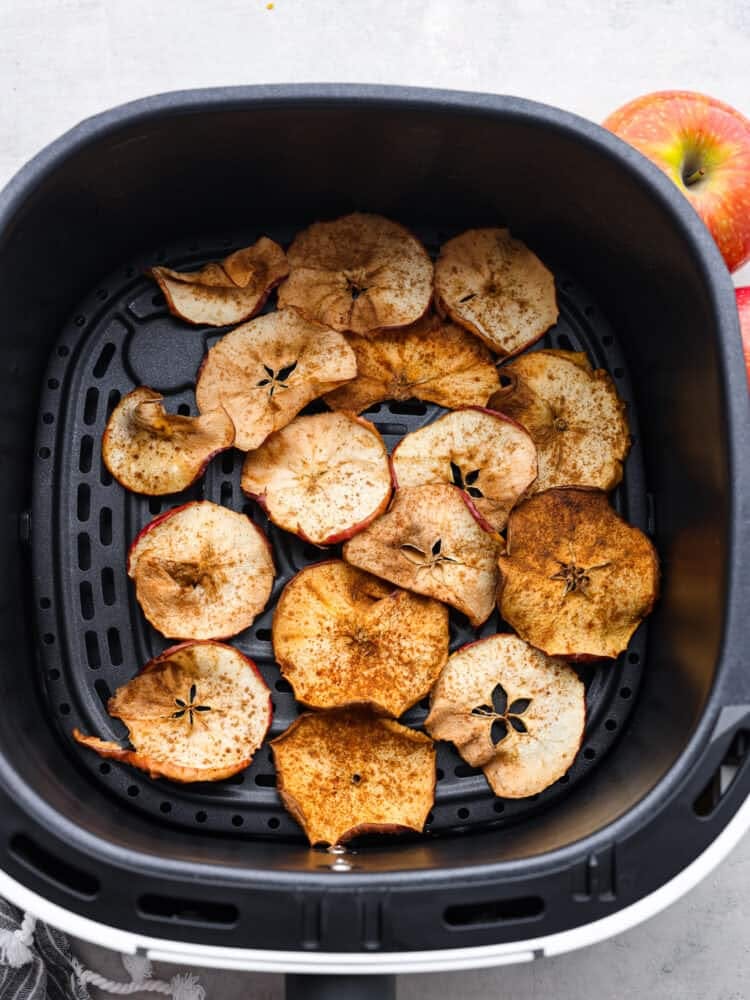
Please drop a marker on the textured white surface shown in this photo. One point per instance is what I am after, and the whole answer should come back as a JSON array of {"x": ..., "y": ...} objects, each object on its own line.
[{"x": 61, "y": 60}]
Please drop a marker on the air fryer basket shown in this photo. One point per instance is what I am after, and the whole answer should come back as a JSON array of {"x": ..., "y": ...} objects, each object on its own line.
[{"x": 182, "y": 179}]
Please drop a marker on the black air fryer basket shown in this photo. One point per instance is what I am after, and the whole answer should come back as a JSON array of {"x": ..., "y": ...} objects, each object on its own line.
[{"x": 220, "y": 873}]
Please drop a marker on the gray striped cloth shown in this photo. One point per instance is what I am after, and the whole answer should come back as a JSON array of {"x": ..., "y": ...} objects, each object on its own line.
[{"x": 48, "y": 973}]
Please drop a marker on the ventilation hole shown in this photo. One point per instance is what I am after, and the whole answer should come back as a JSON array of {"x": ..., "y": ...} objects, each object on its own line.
[
  {"x": 265, "y": 780},
  {"x": 201, "y": 817},
  {"x": 165, "y": 807},
  {"x": 102, "y": 689},
  {"x": 105, "y": 477},
  {"x": 237, "y": 821},
  {"x": 62, "y": 350},
  {"x": 48, "y": 639},
  {"x": 463, "y": 813},
  {"x": 154, "y": 505},
  {"x": 283, "y": 685},
  {"x": 611, "y": 725},
  {"x": 105, "y": 526},
  {"x": 440, "y": 774},
  {"x": 133, "y": 791},
  {"x": 409, "y": 406},
  {"x": 263, "y": 634},
  {"x": 80, "y": 321},
  {"x": 564, "y": 341},
  {"x": 90, "y": 406},
  {"x": 87, "y": 600},
  {"x": 44, "y": 602},
  {"x": 86, "y": 452},
  {"x": 44, "y": 453},
  {"x": 607, "y": 341},
  {"x": 633, "y": 658},
  {"x": 589, "y": 753},
  {"x": 625, "y": 692},
  {"x": 53, "y": 868},
  {"x": 618, "y": 372},
  {"x": 113, "y": 399},
  {"x": 188, "y": 911},
  {"x": 115, "y": 646},
  {"x": 54, "y": 675},
  {"x": 226, "y": 493},
  {"x": 236, "y": 779},
  {"x": 64, "y": 708},
  {"x": 84, "y": 551},
  {"x": 375, "y": 408},
  {"x": 425, "y": 704},
  {"x": 109, "y": 595},
  {"x": 48, "y": 418},
  {"x": 310, "y": 551},
  {"x": 183, "y": 409},
  {"x": 52, "y": 383},
  {"x": 724, "y": 776},
  {"x": 494, "y": 912},
  {"x": 465, "y": 771},
  {"x": 104, "y": 767},
  {"x": 498, "y": 806},
  {"x": 227, "y": 463},
  {"x": 564, "y": 780},
  {"x": 395, "y": 429},
  {"x": 273, "y": 823},
  {"x": 92, "y": 650},
  {"x": 104, "y": 359},
  {"x": 589, "y": 311},
  {"x": 158, "y": 300}
]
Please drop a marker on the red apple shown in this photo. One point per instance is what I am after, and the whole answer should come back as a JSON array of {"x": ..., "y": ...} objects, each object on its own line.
[
  {"x": 743, "y": 305},
  {"x": 704, "y": 146}
]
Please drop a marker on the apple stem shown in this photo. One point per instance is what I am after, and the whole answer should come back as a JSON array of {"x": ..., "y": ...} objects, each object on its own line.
[{"x": 695, "y": 176}]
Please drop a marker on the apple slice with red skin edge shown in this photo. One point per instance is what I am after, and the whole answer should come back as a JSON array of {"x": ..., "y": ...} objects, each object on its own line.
[
  {"x": 343, "y": 637},
  {"x": 361, "y": 273},
  {"x": 431, "y": 360},
  {"x": 493, "y": 285},
  {"x": 150, "y": 451},
  {"x": 347, "y": 772},
  {"x": 513, "y": 711},
  {"x": 576, "y": 579},
  {"x": 703, "y": 145},
  {"x": 484, "y": 453},
  {"x": 743, "y": 306},
  {"x": 227, "y": 291},
  {"x": 196, "y": 712},
  {"x": 201, "y": 571},
  {"x": 573, "y": 414},
  {"x": 430, "y": 542},
  {"x": 264, "y": 372},
  {"x": 323, "y": 477}
]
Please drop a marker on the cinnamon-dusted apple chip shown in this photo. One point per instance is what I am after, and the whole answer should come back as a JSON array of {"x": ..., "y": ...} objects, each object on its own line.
[
  {"x": 348, "y": 772},
  {"x": 577, "y": 580},
  {"x": 573, "y": 414},
  {"x": 197, "y": 712},
  {"x": 201, "y": 571},
  {"x": 264, "y": 372},
  {"x": 511, "y": 710},
  {"x": 430, "y": 542},
  {"x": 323, "y": 477},
  {"x": 491, "y": 458},
  {"x": 496, "y": 287},
  {"x": 150, "y": 451},
  {"x": 344, "y": 637},
  {"x": 439, "y": 362},
  {"x": 226, "y": 291},
  {"x": 361, "y": 272}
]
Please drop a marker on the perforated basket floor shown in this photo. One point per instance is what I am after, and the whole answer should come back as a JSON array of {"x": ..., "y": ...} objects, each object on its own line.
[{"x": 92, "y": 635}]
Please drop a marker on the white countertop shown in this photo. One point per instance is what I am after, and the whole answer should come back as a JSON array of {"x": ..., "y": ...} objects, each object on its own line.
[{"x": 61, "y": 60}]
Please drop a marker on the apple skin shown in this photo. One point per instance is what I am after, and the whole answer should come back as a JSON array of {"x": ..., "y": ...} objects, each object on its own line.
[
  {"x": 743, "y": 306},
  {"x": 703, "y": 145}
]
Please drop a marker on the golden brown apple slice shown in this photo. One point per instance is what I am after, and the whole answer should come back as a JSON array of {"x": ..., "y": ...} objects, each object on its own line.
[
  {"x": 343, "y": 637},
  {"x": 348, "y": 772},
  {"x": 361, "y": 273},
  {"x": 323, "y": 477},
  {"x": 150, "y": 451},
  {"x": 496, "y": 287},
  {"x": 573, "y": 414},
  {"x": 576, "y": 580},
  {"x": 511, "y": 710},
  {"x": 431, "y": 543},
  {"x": 491, "y": 458},
  {"x": 201, "y": 571},
  {"x": 226, "y": 291},
  {"x": 439, "y": 362},
  {"x": 197, "y": 712},
  {"x": 264, "y": 372}
]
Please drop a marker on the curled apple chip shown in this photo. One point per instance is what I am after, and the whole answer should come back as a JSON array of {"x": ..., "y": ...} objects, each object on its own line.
[
  {"x": 264, "y": 372},
  {"x": 439, "y": 362},
  {"x": 496, "y": 287},
  {"x": 431, "y": 543},
  {"x": 513, "y": 711},
  {"x": 150, "y": 451},
  {"x": 201, "y": 571},
  {"x": 361, "y": 273},
  {"x": 322, "y": 477},
  {"x": 347, "y": 772},
  {"x": 343, "y": 637},
  {"x": 491, "y": 458},
  {"x": 576, "y": 580},
  {"x": 226, "y": 291},
  {"x": 573, "y": 414},
  {"x": 197, "y": 712}
]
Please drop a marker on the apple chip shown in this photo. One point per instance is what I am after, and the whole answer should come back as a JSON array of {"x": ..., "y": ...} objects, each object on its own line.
[
  {"x": 201, "y": 571},
  {"x": 198, "y": 712},
  {"x": 491, "y": 458},
  {"x": 439, "y": 362},
  {"x": 347, "y": 772},
  {"x": 573, "y": 414},
  {"x": 264, "y": 372},
  {"x": 361, "y": 273},
  {"x": 323, "y": 477},
  {"x": 226, "y": 291},
  {"x": 511, "y": 710},
  {"x": 496, "y": 287},
  {"x": 343, "y": 637},
  {"x": 576, "y": 580},
  {"x": 150, "y": 451},
  {"x": 431, "y": 543}
]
